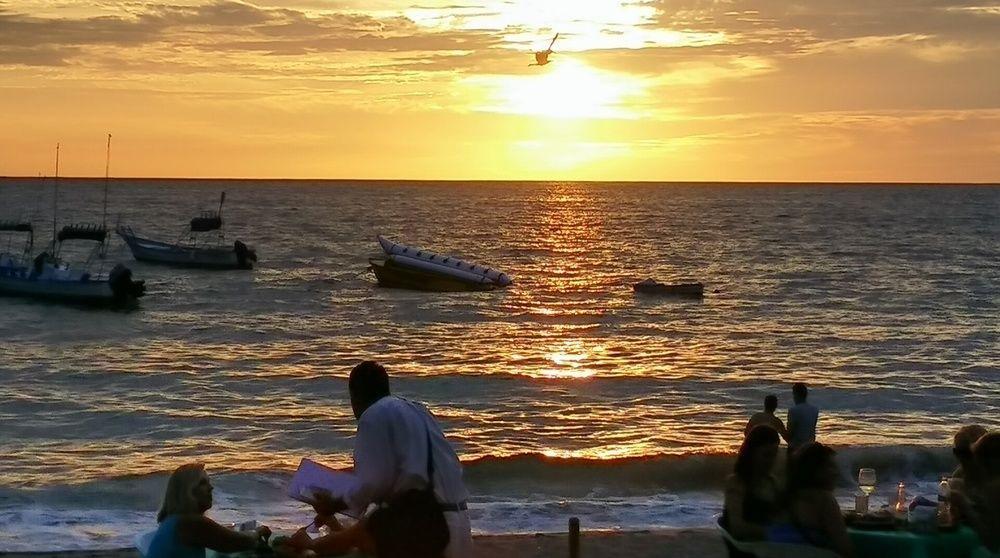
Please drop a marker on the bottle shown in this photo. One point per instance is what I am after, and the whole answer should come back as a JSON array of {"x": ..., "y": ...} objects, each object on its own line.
[
  {"x": 944, "y": 503},
  {"x": 901, "y": 508}
]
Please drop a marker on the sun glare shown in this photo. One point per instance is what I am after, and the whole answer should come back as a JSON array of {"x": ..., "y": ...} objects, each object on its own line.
[{"x": 567, "y": 89}]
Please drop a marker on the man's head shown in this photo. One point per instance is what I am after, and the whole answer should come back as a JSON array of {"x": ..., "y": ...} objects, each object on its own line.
[
  {"x": 771, "y": 403},
  {"x": 800, "y": 392},
  {"x": 368, "y": 383}
]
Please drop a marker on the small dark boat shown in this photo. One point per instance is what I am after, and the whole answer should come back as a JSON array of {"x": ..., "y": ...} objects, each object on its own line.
[
  {"x": 390, "y": 274},
  {"x": 649, "y": 286}
]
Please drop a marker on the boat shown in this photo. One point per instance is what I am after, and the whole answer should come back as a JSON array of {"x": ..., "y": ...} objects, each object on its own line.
[
  {"x": 48, "y": 277},
  {"x": 192, "y": 252},
  {"x": 415, "y": 268},
  {"x": 650, "y": 286},
  {"x": 15, "y": 263},
  {"x": 393, "y": 275}
]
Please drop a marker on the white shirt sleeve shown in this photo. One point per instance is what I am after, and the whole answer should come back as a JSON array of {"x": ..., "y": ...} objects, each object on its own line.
[{"x": 374, "y": 464}]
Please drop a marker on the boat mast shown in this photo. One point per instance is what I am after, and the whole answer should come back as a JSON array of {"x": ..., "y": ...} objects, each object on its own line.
[
  {"x": 55, "y": 199},
  {"x": 107, "y": 172},
  {"x": 222, "y": 224}
]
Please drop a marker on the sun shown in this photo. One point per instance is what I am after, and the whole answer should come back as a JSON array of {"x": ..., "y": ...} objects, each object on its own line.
[{"x": 566, "y": 88}]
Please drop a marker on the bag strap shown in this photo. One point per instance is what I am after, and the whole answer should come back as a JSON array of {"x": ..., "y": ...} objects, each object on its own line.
[{"x": 430, "y": 457}]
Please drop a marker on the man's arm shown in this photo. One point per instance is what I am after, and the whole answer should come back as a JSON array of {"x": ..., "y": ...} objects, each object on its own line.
[
  {"x": 781, "y": 429},
  {"x": 374, "y": 462}
]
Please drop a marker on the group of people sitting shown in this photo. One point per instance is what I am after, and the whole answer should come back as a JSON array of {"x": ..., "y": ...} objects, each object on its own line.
[
  {"x": 804, "y": 510},
  {"x": 408, "y": 476}
]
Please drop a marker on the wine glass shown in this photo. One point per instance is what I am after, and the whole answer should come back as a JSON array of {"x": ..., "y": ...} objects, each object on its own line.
[{"x": 866, "y": 481}]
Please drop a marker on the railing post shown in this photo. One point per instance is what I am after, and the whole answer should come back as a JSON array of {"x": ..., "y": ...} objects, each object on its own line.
[{"x": 574, "y": 537}]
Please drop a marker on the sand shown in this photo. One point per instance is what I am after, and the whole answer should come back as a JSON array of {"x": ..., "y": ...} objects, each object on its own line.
[{"x": 604, "y": 544}]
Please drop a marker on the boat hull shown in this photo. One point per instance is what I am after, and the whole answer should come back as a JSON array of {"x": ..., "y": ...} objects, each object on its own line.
[
  {"x": 98, "y": 293},
  {"x": 221, "y": 257},
  {"x": 692, "y": 290},
  {"x": 398, "y": 277},
  {"x": 441, "y": 264}
]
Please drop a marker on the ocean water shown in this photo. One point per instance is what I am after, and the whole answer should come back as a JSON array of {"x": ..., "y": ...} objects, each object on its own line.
[{"x": 565, "y": 394}]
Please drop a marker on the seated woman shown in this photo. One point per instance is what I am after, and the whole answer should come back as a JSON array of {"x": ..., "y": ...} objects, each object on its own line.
[
  {"x": 751, "y": 491},
  {"x": 979, "y": 504},
  {"x": 184, "y": 531},
  {"x": 813, "y": 511}
]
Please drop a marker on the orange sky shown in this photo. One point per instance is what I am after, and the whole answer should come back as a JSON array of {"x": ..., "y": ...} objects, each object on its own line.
[{"x": 811, "y": 90}]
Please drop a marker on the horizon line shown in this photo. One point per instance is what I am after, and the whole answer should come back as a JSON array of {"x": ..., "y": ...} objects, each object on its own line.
[{"x": 531, "y": 181}]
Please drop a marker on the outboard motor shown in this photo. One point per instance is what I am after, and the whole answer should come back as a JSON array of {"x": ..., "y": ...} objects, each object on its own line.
[
  {"x": 122, "y": 284},
  {"x": 245, "y": 256}
]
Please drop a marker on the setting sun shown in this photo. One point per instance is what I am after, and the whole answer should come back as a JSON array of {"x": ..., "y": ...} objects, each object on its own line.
[{"x": 570, "y": 89}]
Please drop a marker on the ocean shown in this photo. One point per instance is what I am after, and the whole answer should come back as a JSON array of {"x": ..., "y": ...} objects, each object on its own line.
[{"x": 565, "y": 394}]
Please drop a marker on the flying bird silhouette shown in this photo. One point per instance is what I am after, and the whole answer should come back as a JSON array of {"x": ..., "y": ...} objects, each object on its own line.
[{"x": 542, "y": 57}]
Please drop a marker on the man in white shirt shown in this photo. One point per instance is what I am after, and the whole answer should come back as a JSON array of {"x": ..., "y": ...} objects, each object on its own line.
[
  {"x": 802, "y": 418},
  {"x": 390, "y": 456}
]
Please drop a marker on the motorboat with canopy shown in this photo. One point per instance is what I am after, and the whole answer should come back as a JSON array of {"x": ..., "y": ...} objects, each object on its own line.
[
  {"x": 48, "y": 276},
  {"x": 193, "y": 249}
]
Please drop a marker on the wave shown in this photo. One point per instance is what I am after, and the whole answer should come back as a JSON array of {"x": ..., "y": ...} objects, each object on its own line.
[
  {"x": 690, "y": 472},
  {"x": 524, "y": 493},
  {"x": 520, "y": 473}
]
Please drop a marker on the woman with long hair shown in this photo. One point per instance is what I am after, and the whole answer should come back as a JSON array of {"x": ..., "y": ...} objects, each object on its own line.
[
  {"x": 751, "y": 491},
  {"x": 184, "y": 531},
  {"x": 814, "y": 514}
]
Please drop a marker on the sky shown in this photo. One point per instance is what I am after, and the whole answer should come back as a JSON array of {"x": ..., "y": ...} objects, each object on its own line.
[{"x": 727, "y": 90}]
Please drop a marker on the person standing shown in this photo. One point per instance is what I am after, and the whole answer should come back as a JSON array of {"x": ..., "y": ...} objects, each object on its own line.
[
  {"x": 802, "y": 418},
  {"x": 767, "y": 418},
  {"x": 401, "y": 455}
]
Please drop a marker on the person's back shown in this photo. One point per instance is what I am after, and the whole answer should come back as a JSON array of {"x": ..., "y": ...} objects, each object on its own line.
[
  {"x": 391, "y": 462},
  {"x": 167, "y": 544},
  {"x": 763, "y": 418},
  {"x": 814, "y": 514},
  {"x": 767, "y": 418},
  {"x": 412, "y": 427},
  {"x": 802, "y": 419}
]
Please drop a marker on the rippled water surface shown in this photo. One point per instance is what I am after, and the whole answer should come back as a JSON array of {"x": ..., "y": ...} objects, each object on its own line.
[{"x": 883, "y": 298}]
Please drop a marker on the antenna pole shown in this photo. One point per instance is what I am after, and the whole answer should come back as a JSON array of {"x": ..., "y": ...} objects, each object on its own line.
[
  {"x": 107, "y": 172},
  {"x": 55, "y": 198},
  {"x": 222, "y": 227}
]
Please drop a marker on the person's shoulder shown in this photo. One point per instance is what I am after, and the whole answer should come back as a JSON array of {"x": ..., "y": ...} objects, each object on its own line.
[{"x": 379, "y": 410}]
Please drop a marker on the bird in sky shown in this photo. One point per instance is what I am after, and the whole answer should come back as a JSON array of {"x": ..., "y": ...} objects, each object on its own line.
[{"x": 542, "y": 57}]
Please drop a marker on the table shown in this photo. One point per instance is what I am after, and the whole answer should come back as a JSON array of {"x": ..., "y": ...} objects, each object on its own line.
[{"x": 959, "y": 543}]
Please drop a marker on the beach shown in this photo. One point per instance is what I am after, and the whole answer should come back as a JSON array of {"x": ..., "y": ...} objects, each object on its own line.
[{"x": 703, "y": 543}]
